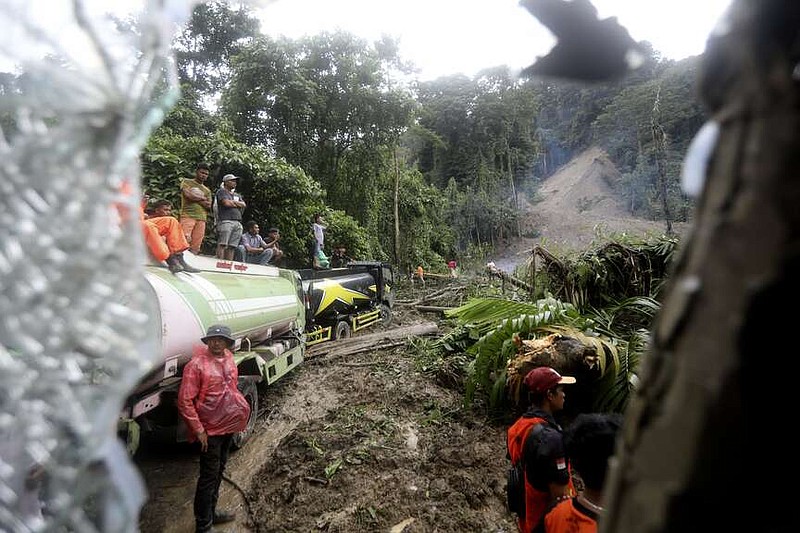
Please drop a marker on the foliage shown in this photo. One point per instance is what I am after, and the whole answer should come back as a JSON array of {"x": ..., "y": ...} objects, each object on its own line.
[
  {"x": 188, "y": 118},
  {"x": 615, "y": 271},
  {"x": 325, "y": 103},
  {"x": 214, "y": 34},
  {"x": 648, "y": 126},
  {"x": 490, "y": 325},
  {"x": 485, "y": 329},
  {"x": 474, "y": 139}
]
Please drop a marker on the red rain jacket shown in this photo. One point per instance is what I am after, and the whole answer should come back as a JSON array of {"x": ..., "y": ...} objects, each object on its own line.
[{"x": 209, "y": 399}]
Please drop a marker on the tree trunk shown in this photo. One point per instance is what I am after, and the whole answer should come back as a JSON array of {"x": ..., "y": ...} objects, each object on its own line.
[
  {"x": 660, "y": 142},
  {"x": 396, "y": 209},
  {"x": 371, "y": 341},
  {"x": 703, "y": 447}
]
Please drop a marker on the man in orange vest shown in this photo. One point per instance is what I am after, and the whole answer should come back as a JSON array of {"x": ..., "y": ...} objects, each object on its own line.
[
  {"x": 164, "y": 237},
  {"x": 536, "y": 440},
  {"x": 590, "y": 442}
]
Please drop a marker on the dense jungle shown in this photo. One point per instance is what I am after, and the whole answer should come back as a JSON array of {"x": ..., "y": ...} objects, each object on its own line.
[{"x": 414, "y": 172}]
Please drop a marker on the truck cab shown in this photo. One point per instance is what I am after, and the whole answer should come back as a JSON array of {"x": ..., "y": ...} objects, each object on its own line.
[{"x": 340, "y": 301}]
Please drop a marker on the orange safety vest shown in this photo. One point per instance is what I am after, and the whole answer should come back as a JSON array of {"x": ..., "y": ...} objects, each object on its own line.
[
  {"x": 565, "y": 518},
  {"x": 536, "y": 501}
]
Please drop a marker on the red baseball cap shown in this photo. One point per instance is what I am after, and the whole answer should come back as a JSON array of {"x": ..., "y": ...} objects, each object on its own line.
[{"x": 544, "y": 378}]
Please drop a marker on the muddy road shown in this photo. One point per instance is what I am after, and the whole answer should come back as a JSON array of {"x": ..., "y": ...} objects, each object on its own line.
[{"x": 371, "y": 441}]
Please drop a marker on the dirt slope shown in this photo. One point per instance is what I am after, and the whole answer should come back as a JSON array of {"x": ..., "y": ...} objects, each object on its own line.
[{"x": 575, "y": 208}]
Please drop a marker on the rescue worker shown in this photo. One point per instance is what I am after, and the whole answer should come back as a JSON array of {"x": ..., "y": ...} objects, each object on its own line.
[
  {"x": 589, "y": 441},
  {"x": 165, "y": 238},
  {"x": 536, "y": 439},
  {"x": 214, "y": 410}
]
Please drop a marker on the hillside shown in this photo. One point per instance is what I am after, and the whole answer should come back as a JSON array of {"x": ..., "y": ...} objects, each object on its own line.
[{"x": 575, "y": 208}]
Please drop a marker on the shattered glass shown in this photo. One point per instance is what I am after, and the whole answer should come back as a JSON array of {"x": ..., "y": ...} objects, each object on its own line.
[{"x": 80, "y": 92}]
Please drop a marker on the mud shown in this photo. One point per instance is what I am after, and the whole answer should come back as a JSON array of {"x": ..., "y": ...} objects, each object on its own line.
[{"x": 368, "y": 442}]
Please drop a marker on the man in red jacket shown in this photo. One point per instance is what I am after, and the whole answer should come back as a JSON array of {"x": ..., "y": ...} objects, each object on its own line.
[
  {"x": 214, "y": 409},
  {"x": 536, "y": 440}
]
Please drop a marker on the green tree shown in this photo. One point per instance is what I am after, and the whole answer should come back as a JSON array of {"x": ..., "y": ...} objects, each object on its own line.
[
  {"x": 478, "y": 134},
  {"x": 327, "y": 104},
  {"x": 203, "y": 50}
]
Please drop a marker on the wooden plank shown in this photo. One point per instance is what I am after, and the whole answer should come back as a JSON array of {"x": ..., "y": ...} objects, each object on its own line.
[{"x": 380, "y": 339}]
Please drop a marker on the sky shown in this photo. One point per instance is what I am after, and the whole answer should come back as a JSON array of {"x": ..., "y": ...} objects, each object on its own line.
[
  {"x": 441, "y": 37},
  {"x": 444, "y": 37}
]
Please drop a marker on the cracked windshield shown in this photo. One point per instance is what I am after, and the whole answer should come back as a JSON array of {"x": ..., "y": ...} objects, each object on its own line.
[{"x": 372, "y": 266}]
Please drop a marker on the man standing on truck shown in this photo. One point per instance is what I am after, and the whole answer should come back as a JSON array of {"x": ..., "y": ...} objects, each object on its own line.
[
  {"x": 214, "y": 409},
  {"x": 229, "y": 222},
  {"x": 195, "y": 206}
]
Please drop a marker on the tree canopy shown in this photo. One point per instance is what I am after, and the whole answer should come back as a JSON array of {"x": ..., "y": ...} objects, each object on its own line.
[{"x": 424, "y": 170}]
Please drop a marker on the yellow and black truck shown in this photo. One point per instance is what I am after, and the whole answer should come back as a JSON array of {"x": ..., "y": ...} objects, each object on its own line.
[{"x": 342, "y": 301}]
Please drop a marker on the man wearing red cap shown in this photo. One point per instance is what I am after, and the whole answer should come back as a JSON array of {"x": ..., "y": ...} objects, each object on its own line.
[{"x": 536, "y": 440}]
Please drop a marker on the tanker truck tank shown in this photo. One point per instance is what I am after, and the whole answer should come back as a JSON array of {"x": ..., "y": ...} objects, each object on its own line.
[
  {"x": 256, "y": 306},
  {"x": 263, "y": 306}
]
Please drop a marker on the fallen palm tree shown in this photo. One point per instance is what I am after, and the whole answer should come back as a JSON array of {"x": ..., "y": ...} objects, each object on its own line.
[{"x": 615, "y": 271}]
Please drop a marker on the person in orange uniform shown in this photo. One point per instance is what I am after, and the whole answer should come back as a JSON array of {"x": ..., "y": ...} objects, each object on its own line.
[
  {"x": 590, "y": 442},
  {"x": 536, "y": 439},
  {"x": 214, "y": 410},
  {"x": 165, "y": 238}
]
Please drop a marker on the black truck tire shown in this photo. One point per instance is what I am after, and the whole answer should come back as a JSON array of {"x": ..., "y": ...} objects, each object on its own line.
[
  {"x": 343, "y": 330},
  {"x": 386, "y": 314},
  {"x": 249, "y": 390}
]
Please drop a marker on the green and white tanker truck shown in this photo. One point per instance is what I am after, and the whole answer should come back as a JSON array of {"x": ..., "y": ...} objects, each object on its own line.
[{"x": 274, "y": 315}]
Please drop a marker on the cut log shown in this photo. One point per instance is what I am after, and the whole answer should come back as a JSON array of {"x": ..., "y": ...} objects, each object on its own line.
[
  {"x": 432, "y": 308},
  {"x": 372, "y": 341}
]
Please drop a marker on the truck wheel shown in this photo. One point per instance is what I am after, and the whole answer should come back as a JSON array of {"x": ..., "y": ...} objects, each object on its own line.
[
  {"x": 130, "y": 433},
  {"x": 343, "y": 330},
  {"x": 250, "y": 391},
  {"x": 386, "y": 314}
]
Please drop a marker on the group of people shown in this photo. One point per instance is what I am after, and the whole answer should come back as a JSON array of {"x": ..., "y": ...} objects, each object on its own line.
[
  {"x": 551, "y": 456},
  {"x": 167, "y": 238},
  {"x": 234, "y": 241}
]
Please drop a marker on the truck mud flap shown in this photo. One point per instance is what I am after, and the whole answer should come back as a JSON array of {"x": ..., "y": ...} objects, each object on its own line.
[{"x": 130, "y": 432}]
